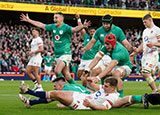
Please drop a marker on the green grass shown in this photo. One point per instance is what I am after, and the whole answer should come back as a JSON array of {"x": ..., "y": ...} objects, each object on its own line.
[{"x": 11, "y": 105}]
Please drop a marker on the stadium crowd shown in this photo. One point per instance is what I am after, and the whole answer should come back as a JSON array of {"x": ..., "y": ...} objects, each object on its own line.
[
  {"x": 15, "y": 43},
  {"x": 124, "y": 4}
]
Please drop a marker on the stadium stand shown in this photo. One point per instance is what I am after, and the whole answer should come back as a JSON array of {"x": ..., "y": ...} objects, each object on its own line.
[{"x": 121, "y": 4}]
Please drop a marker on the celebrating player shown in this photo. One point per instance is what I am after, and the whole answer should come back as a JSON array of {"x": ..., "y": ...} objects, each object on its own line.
[{"x": 61, "y": 39}]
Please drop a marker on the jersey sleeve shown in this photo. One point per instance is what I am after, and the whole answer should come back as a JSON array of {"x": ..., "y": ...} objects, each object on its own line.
[
  {"x": 69, "y": 29},
  {"x": 48, "y": 27},
  {"x": 96, "y": 34},
  {"x": 40, "y": 42},
  {"x": 53, "y": 59},
  {"x": 158, "y": 34},
  {"x": 111, "y": 99},
  {"x": 121, "y": 36}
]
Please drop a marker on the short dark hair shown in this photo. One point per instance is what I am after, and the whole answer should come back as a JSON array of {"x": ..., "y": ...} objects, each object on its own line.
[
  {"x": 60, "y": 13},
  {"x": 147, "y": 16},
  {"x": 111, "y": 80},
  {"x": 37, "y": 29},
  {"x": 58, "y": 79},
  {"x": 90, "y": 28}
]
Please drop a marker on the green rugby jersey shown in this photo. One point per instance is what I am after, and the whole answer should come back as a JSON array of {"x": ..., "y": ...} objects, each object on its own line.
[
  {"x": 101, "y": 33},
  {"x": 90, "y": 54},
  {"x": 120, "y": 54},
  {"x": 61, "y": 38},
  {"x": 49, "y": 60}
]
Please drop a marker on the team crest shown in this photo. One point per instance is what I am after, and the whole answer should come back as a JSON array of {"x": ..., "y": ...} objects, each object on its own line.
[
  {"x": 57, "y": 37},
  {"x": 61, "y": 31},
  {"x": 54, "y": 31},
  {"x": 102, "y": 35}
]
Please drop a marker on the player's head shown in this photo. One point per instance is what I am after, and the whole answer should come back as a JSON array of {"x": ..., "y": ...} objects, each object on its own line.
[
  {"x": 35, "y": 32},
  {"x": 147, "y": 20},
  {"x": 107, "y": 22},
  {"x": 110, "y": 84},
  {"x": 110, "y": 42},
  {"x": 59, "y": 83},
  {"x": 58, "y": 19},
  {"x": 91, "y": 31}
]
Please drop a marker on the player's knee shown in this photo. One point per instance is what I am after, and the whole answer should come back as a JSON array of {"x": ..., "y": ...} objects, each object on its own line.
[
  {"x": 149, "y": 79},
  {"x": 116, "y": 74},
  {"x": 57, "y": 71}
]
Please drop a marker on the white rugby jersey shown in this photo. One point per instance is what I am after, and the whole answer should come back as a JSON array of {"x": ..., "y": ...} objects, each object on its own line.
[
  {"x": 150, "y": 35},
  {"x": 35, "y": 44},
  {"x": 101, "y": 98}
]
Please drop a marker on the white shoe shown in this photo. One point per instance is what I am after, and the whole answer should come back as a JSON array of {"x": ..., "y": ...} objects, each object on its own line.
[
  {"x": 23, "y": 88},
  {"x": 25, "y": 101},
  {"x": 37, "y": 88}
]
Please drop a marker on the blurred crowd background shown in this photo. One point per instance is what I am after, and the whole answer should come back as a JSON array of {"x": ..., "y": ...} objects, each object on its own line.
[
  {"x": 15, "y": 38},
  {"x": 15, "y": 43}
]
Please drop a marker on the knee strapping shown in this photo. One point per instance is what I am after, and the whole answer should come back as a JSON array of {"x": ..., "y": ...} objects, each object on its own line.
[
  {"x": 149, "y": 80},
  {"x": 130, "y": 99},
  {"x": 48, "y": 95}
]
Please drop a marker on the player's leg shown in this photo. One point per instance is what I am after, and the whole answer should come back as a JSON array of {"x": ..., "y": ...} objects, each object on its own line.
[
  {"x": 28, "y": 71},
  {"x": 148, "y": 64},
  {"x": 38, "y": 87},
  {"x": 81, "y": 69},
  {"x": 28, "y": 103},
  {"x": 79, "y": 73},
  {"x": 30, "y": 75},
  {"x": 59, "y": 67},
  {"x": 120, "y": 72},
  {"x": 67, "y": 75},
  {"x": 65, "y": 97}
]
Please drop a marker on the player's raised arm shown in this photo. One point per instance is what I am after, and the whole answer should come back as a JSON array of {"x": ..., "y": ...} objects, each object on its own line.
[
  {"x": 89, "y": 45},
  {"x": 26, "y": 18},
  {"x": 80, "y": 27},
  {"x": 83, "y": 32}
]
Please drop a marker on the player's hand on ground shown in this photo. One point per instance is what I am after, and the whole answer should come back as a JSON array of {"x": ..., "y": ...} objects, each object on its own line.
[
  {"x": 86, "y": 103},
  {"x": 24, "y": 17},
  {"x": 150, "y": 44},
  {"x": 77, "y": 16},
  {"x": 86, "y": 24}
]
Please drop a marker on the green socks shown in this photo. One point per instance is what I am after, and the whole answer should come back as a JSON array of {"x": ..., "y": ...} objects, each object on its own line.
[
  {"x": 137, "y": 98},
  {"x": 121, "y": 93}
]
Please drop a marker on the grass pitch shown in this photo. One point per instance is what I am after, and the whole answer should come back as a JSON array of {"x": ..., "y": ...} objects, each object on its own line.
[{"x": 11, "y": 105}]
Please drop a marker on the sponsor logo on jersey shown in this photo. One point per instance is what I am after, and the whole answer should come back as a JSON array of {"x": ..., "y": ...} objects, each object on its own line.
[
  {"x": 57, "y": 37},
  {"x": 61, "y": 32},
  {"x": 54, "y": 31},
  {"x": 102, "y": 35}
]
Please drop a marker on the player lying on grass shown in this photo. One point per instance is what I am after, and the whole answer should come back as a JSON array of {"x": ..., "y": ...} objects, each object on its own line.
[
  {"x": 103, "y": 99},
  {"x": 59, "y": 84}
]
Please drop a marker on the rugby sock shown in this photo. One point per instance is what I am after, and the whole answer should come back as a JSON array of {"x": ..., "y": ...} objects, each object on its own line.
[
  {"x": 38, "y": 101},
  {"x": 120, "y": 92},
  {"x": 137, "y": 98},
  {"x": 71, "y": 81},
  {"x": 41, "y": 94},
  {"x": 34, "y": 81}
]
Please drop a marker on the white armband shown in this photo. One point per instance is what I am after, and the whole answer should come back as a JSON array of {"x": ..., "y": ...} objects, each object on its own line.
[
  {"x": 100, "y": 54},
  {"x": 79, "y": 20},
  {"x": 98, "y": 78}
]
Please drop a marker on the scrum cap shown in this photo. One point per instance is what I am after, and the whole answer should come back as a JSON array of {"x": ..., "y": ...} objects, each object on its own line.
[{"x": 111, "y": 38}]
